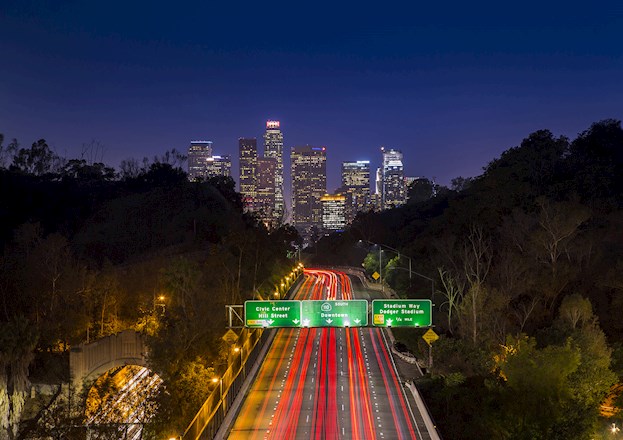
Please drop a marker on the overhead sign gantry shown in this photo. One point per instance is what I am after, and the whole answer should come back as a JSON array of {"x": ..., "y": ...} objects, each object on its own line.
[{"x": 338, "y": 313}]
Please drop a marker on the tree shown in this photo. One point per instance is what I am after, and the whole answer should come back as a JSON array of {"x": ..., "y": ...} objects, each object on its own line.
[
  {"x": 452, "y": 291},
  {"x": 558, "y": 225},
  {"x": 172, "y": 157},
  {"x": 596, "y": 163},
  {"x": 477, "y": 258},
  {"x": 575, "y": 310},
  {"x": 37, "y": 160},
  {"x": 420, "y": 190},
  {"x": 130, "y": 169},
  {"x": 82, "y": 171},
  {"x": 7, "y": 153},
  {"x": 535, "y": 379},
  {"x": 461, "y": 183}
]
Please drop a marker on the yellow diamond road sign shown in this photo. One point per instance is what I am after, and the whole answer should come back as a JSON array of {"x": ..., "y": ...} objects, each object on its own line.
[
  {"x": 376, "y": 275},
  {"x": 230, "y": 337},
  {"x": 430, "y": 336}
]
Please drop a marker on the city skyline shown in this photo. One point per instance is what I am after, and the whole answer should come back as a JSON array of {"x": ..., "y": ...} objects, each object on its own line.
[
  {"x": 260, "y": 179},
  {"x": 453, "y": 86}
]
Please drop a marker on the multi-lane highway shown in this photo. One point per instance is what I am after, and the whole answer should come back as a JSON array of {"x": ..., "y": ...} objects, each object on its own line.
[
  {"x": 127, "y": 404},
  {"x": 326, "y": 383}
]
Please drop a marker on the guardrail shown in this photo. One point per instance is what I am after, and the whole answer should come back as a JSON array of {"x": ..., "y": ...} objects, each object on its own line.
[{"x": 211, "y": 415}]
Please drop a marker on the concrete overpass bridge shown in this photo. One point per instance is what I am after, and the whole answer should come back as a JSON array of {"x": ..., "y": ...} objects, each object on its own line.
[{"x": 89, "y": 361}]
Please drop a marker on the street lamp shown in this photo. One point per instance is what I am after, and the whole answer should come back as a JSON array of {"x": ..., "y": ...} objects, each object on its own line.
[
  {"x": 220, "y": 382},
  {"x": 432, "y": 281},
  {"x": 380, "y": 269},
  {"x": 239, "y": 350},
  {"x": 160, "y": 298}
]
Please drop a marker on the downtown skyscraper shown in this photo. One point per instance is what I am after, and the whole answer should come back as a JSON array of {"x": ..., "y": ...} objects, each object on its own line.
[
  {"x": 202, "y": 164},
  {"x": 394, "y": 191},
  {"x": 247, "y": 148},
  {"x": 356, "y": 183},
  {"x": 264, "y": 201},
  {"x": 273, "y": 148},
  {"x": 309, "y": 184},
  {"x": 217, "y": 166},
  {"x": 198, "y": 154}
]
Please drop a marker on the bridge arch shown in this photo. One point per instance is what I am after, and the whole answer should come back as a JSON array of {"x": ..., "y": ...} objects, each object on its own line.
[{"x": 89, "y": 361}]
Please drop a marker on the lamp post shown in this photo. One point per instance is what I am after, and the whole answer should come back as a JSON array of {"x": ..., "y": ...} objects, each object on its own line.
[
  {"x": 161, "y": 303},
  {"x": 220, "y": 382},
  {"x": 381, "y": 269},
  {"x": 399, "y": 256},
  {"x": 411, "y": 272},
  {"x": 239, "y": 350}
]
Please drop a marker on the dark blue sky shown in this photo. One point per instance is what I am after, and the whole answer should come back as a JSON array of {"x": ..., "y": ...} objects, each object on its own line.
[{"x": 451, "y": 85}]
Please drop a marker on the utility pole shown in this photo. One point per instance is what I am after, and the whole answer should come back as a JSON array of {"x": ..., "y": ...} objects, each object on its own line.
[{"x": 381, "y": 269}]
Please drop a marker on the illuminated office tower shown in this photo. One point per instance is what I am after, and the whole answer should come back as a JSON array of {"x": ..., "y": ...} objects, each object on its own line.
[
  {"x": 247, "y": 148},
  {"x": 309, "y": 184},
  {"x": 410, "y": 180},
  {"x": 264, "y": 202},
  {"x": 333, "y": 212},
  {"x": 218, "y": 166},
  {"x": 376, "y": 198},
  {"x": 273, "y": 148},
  {"x": 393, "y": 177},
  {"x": 356, "y": 182},
  {"x": 198, "y": 154}
]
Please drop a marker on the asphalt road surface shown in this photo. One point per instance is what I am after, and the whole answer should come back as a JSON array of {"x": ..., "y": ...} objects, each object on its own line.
[{"x": 327, "y": 383}]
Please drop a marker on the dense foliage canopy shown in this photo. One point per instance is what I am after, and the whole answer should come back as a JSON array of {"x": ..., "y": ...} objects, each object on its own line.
[
  {"x": 87, "y": 252},
  {"x": 526, "y": 263}
]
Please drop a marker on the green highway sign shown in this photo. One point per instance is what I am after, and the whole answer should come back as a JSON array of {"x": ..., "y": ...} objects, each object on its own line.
[
  {"x": 272, "y": 313},
  {"x": 402, "y": 312},
  {"x": 332, "y": 313}
]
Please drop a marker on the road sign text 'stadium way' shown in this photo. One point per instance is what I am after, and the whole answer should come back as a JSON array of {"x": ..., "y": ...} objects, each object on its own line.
[
  {"x": 402, "y": 312},
  {"x": 337, "y": 313}
]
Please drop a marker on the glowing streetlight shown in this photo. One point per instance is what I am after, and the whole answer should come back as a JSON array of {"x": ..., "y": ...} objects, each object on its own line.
[
  {"x": 239, "y": 350},
  {"x": 159, "y": 302},
  {"x": 614, "y": 428},
  {"x": 220, "y": 382}
]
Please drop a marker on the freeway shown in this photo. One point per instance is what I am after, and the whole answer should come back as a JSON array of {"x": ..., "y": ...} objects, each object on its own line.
[
  {"x": 326, "y": 383},
  {"x": 126, "y": 404}
]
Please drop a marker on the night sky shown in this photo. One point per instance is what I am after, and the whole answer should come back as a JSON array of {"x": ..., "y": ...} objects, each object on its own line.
[{"x": 451, "y": 85}]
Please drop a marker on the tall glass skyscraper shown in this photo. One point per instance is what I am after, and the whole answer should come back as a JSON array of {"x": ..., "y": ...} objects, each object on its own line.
[
  {"x": 309, "y": 184},
  {"x": 333, "y": 212},
  {"x": 394, "y": 191},
  {"x": 264, "y": 202},
  {"x": 356, "y": 182},
  {"x": 273, "y": 148},
  {"x": 247, "y": 148},
  {"x": 199, "y": 153},
  {"x": 218, "y": 166}
]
